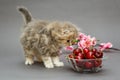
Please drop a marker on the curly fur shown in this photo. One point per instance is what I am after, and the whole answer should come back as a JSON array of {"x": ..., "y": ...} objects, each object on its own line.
[{"x": 43, "y": 39}]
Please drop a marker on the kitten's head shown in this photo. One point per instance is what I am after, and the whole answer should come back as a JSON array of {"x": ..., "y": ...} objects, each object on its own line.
[{"x": 63, "y": 33}]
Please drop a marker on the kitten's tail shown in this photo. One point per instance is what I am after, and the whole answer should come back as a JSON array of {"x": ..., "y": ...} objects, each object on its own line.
[{"x": 26, "y": 14}]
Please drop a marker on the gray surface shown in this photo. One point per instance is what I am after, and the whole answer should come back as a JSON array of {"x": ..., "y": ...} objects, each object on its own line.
[{"x": 100, "y": 18}]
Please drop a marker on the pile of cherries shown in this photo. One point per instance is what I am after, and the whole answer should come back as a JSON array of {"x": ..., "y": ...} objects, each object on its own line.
[{"x": 87, "y": 58}]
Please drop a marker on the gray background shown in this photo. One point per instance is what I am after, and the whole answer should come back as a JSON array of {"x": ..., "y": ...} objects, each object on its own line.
[{"x": 99, "y": 18}]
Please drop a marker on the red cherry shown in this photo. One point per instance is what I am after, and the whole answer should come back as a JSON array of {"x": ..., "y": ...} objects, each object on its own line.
[
  {"x": 81, "y": 56},
  {"x": 77, "y": 51},
  {"x": 94, "y": 50},
  {"x": 77, "y": 61},
  {"x": 80, "y": 63},
  {"x": 99, "y": 54},
  {"x": 77, "y": 57},
  {"x": 88, "y": 65},
  {"x": 85, "y": 50},
  {"x": 89, "y": 55},
  {"x": 70, "y": 55},
  {"x": 97, "y": 63}
]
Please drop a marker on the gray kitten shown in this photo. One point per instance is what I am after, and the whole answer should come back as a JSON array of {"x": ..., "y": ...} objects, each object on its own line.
[{"x": 43, "y": 39}]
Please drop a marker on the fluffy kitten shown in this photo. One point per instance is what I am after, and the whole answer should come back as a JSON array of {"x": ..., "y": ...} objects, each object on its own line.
[{"x": 43, "y": 39}]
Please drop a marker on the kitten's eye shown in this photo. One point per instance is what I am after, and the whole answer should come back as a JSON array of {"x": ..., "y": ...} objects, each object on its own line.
[
  {"x": 66, "y": 31},
  {"x": 68, "y": 40}
]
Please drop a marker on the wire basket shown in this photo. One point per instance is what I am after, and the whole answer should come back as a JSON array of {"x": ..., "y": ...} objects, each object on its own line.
[{"x": 85, "y": 65}]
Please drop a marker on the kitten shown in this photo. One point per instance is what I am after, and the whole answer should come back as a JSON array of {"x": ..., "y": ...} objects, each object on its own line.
[{"x": 43, "y": 39}]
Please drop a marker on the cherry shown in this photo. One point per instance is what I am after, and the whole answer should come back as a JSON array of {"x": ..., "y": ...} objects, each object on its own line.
[
  {"x": 94, "y": 50},
  {"x": 81, "y": 55},
  {"x": 70, "y": 55},
  {"x": 88, "y": 65},
  {"x": 85, "y": 50},
  {"x": 76, "y": 57},
  {"x": 80, "y": 63},
  {"x": 89, "y": 55},
  {"x": 97, "y": 63},
  {"x": 77, "y": 61},
  {"x": 77, "y": 51},
  {"x": 99, "y": 54}
]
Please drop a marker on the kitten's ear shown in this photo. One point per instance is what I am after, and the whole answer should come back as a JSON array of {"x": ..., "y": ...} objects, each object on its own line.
[
  {"x": 53, "y": 29},
  {"x": 53, "y": 25},
  {"x": 54, "y": 33}
]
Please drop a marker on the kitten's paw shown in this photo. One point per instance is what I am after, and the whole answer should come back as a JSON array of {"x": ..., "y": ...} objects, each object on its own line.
[
  {"x": 29, "y": 62},
  {"x": 49, "y": 65},
  {"x": 59, "y": 64}
]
